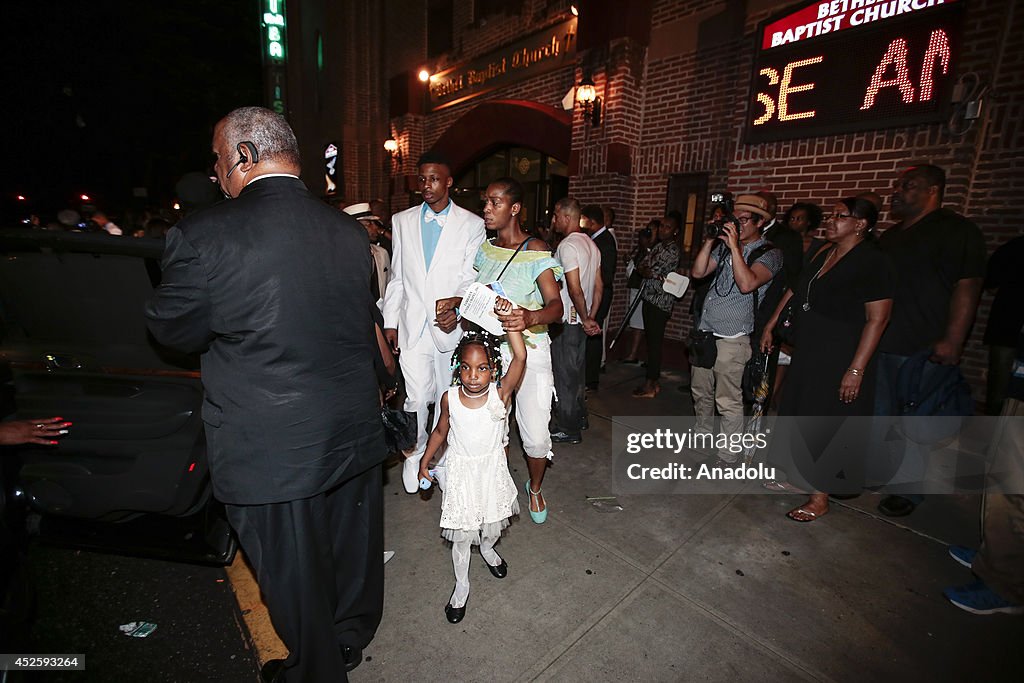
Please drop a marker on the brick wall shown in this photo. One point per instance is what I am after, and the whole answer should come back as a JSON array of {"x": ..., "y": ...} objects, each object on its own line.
[
  {"x": 690, "y": 117},
  {"x": 682, "y": 108}
]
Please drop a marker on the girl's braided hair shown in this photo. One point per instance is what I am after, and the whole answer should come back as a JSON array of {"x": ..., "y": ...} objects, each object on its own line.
[{"x": 491, "y": 346}]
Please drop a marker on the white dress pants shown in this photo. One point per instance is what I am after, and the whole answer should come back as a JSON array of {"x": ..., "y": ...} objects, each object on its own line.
[
  {"x": 428, "y": 374},
  {"x": 534, "y": 396}
]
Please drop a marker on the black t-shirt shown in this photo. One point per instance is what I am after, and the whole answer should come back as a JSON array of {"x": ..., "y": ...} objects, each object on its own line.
[
  {"x": 930, "y": 257},
  {"x": 1005, "y": 274}
]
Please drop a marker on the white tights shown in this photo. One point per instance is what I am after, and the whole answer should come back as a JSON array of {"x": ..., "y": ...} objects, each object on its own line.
[{"x": 461, "y": 549}]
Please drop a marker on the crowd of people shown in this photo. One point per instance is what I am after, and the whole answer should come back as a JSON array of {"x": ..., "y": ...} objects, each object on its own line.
[
  {"x": 195, "y": 190},
  {"x": 300, "y": 310}
]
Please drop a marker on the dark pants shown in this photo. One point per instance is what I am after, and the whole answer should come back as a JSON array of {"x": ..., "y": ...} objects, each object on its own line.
[
  {"x": 568, "y": 351},
  {"x": 907, "y": 461},
  {"x": 595, "y": 344},
  {"x": 655, "y": 321},
  {"x": 319, "y": 562}
]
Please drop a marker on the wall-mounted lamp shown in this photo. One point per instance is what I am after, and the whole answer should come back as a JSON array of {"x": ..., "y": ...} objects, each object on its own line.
[
  {"x": 586, "y": 95},
  {"x": 391, "y": 145},
  {"x": 423, "y": 75}
]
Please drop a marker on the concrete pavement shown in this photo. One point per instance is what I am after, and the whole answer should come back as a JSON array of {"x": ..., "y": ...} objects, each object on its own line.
[{"x": 685, "y": 587}]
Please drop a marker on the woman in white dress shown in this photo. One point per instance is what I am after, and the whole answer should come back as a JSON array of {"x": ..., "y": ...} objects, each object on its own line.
[{"x": 479, "y": 493}]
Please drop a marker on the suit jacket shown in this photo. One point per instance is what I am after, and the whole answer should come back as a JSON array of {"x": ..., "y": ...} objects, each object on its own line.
[
  {"x": 609, "y": 263},
  {"x": 381, "y": 266},
  {"x": 272, "y": 289},
  {"x": 409, "y": 304}
]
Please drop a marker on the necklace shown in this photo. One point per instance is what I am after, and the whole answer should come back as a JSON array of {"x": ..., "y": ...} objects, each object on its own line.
[
  {"x": 471, "y": 395},
  {"x": 807, "y": 299}
]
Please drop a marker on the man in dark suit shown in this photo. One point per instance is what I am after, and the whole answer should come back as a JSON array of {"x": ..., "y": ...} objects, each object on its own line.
[
  {"x": 271, "y": 289},
  {"x": 786, "y": 239},
  {"x": 594, "y": 225}
]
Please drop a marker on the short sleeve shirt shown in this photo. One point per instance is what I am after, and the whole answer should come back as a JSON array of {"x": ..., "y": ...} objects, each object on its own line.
[
  {"x": 578, "y": 252},
  {"x": 930, "y": 257},
  {"x": 520, "y": 278},
  {"x": 728, "y": 312}
]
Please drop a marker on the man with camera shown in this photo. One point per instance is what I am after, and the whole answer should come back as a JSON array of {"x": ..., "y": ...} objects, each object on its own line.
[{"x": 743, "y": 264}]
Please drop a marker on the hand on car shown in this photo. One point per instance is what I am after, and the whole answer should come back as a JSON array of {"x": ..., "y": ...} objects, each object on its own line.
[{"x": 42, "y": 432}]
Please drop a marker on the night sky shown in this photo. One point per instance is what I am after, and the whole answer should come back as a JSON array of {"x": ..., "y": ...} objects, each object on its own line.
[{"x": 109, "y": 95}]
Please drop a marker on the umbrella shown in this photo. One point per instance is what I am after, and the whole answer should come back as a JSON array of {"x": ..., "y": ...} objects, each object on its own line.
[{"x": 761, "y": 394}]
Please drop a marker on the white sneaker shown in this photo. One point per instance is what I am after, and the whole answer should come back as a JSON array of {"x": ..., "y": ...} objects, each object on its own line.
[
  {"x": 411, "y": 473},
  {"x": 388, "y": 554}
]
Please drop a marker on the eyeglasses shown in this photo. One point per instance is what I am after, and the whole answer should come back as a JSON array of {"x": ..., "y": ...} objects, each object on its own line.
[
  {"x": 744, "y": 219},
  {"x": 838, "y": 216}
]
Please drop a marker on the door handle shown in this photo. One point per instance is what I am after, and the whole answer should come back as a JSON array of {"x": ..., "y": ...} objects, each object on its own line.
[{"x": 62, "y": 362}]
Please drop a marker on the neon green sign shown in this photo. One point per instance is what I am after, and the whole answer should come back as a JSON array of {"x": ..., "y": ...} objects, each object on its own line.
[{"x": 274, "y": 31}]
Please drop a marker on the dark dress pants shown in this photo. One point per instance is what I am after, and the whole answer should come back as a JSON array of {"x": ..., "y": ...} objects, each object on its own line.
[
  {"x": 568, "y": 349},
  {"x": 655, "y": 322},
  {"x": 595, "y": 349},
  {"x": 319, "y": 562}
]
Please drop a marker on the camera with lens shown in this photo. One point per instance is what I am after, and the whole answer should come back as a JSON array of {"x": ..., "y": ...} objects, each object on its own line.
[
  {"x": 721, "y": 204},
  {"x": 716, "y": 229}
]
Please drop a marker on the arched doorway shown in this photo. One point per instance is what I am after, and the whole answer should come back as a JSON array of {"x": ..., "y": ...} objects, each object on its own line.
[{"x": 525, "y": 140}]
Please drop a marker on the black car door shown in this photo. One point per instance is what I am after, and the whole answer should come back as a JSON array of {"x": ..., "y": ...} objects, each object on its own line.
[{"x": 74, "y": 336}]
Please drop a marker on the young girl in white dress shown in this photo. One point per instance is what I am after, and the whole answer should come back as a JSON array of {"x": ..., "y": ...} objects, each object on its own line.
[{"x": 479, "y": 494}]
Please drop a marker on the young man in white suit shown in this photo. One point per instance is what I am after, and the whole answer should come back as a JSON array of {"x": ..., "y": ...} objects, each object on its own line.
[{"x": 435, "y": 245}]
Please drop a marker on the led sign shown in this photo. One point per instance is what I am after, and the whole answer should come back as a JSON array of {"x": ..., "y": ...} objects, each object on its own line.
[
  {"x": 273, "y": 28},
  {"x": 851, "y": 65},
  {"x": 273, "y": 31}
]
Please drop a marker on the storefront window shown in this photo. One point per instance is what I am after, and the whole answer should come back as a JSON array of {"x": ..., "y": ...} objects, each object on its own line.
[
  {"x": 545, "y": 180},
  {"x": 686, "y": 194}
]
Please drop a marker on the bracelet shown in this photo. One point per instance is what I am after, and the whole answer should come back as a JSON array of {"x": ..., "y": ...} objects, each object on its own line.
[{"x": 858, "y": 372}]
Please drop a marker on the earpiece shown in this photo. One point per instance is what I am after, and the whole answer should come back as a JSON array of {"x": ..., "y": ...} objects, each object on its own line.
[
  {"x": 245, "y": 147},
  {"x": 254, "y": 154}
]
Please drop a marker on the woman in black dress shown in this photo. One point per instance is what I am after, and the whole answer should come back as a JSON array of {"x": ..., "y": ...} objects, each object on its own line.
[{"x": 842, "y": 306}]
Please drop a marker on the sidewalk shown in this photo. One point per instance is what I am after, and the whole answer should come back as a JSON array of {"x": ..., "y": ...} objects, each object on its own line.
[{"x": 685, "y": 588}]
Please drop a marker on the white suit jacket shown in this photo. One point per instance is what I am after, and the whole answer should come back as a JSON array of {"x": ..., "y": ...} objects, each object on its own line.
[{"x": 409, "y": 303}]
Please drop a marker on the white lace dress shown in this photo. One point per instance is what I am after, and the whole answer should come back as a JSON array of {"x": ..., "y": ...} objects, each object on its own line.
[{"x": 479, "y": 496}]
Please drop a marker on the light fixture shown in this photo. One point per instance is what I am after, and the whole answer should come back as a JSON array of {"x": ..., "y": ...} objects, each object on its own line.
[
  {"x": 177, "y": 206},
  {"x": 85, "y": 197},
  {"x": 574, "y": 10},
  {"x": 22, "y": 198},
  {"x": 586, "y": 95},
  {"x": 391, "y": 145},
  {"x": 424, "y": 75}
]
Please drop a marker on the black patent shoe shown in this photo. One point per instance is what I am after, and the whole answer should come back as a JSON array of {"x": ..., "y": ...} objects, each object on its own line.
[
  {"x": 352, "y": 656},
  {"x": 272, "y": 671},
  {"x": 499, "y": 572},
  {"x": 454, "y": 614}
]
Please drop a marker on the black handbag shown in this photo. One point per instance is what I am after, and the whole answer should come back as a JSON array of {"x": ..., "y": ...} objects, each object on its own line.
[
  {"x": 399, "y": 429},
  {"x": 703, "y": 348}
]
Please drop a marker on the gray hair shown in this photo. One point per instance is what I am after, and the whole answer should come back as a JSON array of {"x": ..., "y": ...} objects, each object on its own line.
[{"x": 267, "y": 130}]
